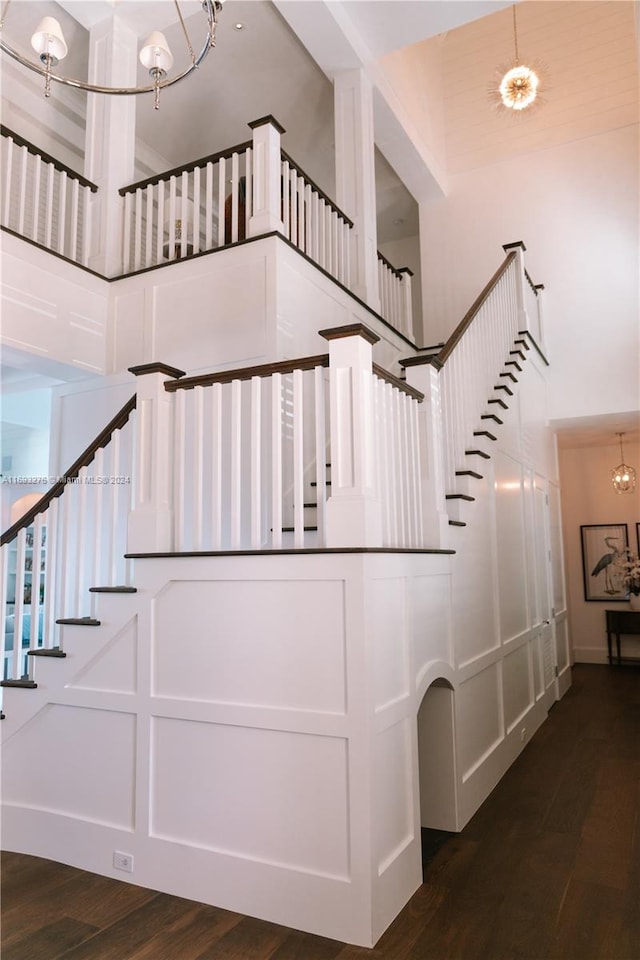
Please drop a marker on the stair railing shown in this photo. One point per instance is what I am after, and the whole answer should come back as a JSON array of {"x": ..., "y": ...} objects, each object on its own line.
[
  {"x": 73, "y": 538},
  {"x": 394, "y": 286},
  {"x": 43, "y": 200}
]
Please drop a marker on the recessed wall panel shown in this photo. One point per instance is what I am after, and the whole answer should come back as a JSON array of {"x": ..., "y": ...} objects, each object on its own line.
[
  {"x": 269, "y": 643},
  {"x": 511, "y": 547},
  {"x": 515, "y": 684},
  {"x": 267, "y": 795},
  {"x": 478, "y": 725},
  {"x": 74, "y": 761},
  {"x": 393, "y": 804},
  {"x": 429, "y": 619},
  {"x": 388, "y": 622}
]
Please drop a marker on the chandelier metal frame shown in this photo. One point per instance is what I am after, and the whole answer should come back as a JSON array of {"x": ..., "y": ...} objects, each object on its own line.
[{"x": 210, "y": 7}]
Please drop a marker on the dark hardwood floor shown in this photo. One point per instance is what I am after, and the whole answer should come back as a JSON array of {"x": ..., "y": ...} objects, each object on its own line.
[{"x": 548, "y": 869}]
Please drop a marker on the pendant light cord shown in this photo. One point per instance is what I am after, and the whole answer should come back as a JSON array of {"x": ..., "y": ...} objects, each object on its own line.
[{"x": 515, "y": 34}]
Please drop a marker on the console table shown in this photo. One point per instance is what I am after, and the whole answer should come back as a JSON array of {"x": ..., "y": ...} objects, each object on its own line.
[{"x": 620, "y": 622}]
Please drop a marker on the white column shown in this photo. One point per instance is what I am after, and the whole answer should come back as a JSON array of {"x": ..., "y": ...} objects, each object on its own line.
[
  {"x": 266, "y": 188},
  {"x": 150, "y": 527},
  {"x": 355, "y": 178},
  {"x": 407, "y": 301},
  {"x": 424, "y": 377},
  {"x": 110, "y": 138},
  {"x": 519, "y": 248},
  {"x": 354, "y": 514}
]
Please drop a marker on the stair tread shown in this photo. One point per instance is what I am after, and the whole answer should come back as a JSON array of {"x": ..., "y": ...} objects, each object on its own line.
[
  {"x": 514, "y": 363},
  {"x": 2, "y": 715},
  {"x": 469, "y": 473},
  {"x": 477, "y": 453},
  {"x": 484, "y": 433},
  {"x": 507, "y": 373},
  {"x": 503, "y": 386},
  {"x": 517, "y": 353},
  {"x": 459, "y": 496},
  {"x": 457, "y": 523},
  {"x": 492, "y": 416},
  {"x": 25, "y": 683},
  {"x": 79, "y": 621},
  {"x": 314, "y": 483},
  {"x": 46, "y": 652},
  {"x": 292, "y": 529},
  {"x": 500, "y": 402},
  {"x": 119, "y": 589}
]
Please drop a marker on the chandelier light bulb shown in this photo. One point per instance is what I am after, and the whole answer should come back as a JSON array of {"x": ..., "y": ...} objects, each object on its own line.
[
  {"x": 155, "y": 53},
  {"x": 519, "y": 87}
]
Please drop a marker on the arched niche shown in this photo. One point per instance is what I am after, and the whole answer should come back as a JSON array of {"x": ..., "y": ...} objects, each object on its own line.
[{"x": 436, "y": 757}]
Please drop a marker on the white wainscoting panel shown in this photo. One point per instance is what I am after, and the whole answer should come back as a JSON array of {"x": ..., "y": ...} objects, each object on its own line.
[
  {"x": 115, "y": 668},
  {"x": 511, "y": 546},
  {"x": 429, "y": 607},
  {"x": 76, "y": 762},
  {"x": 300, "y": 664},
  {"x": 516, "y": 686},
  {"x": 479, "y": 725},
  {"x": 266, "y": 795},
  {"x": 393, "y": 797},
  {"x": 391, "y": 667}
]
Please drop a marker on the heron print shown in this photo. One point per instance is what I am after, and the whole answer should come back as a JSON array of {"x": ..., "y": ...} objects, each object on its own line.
[{"x": 603, "y": 547}]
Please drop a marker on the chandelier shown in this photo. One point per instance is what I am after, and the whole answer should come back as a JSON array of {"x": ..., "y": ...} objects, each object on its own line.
[
  {"x": 623, "y": 477},
  {"x": 518, "y": 86},
  {"x": 50, "y": 46}
]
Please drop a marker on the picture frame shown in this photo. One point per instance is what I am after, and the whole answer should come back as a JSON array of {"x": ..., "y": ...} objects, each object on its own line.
[{"x": 602, "y": 544}]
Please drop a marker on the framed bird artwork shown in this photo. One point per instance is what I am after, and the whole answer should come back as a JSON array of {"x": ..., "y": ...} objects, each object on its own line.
[{"x": 603, "y": 545}]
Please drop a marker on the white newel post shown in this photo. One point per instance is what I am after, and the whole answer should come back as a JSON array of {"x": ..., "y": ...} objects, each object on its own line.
[
  {"x": 110, "y": 138},
  {"x": 539, "y": 287},
  {"x": 150, "y": 527},
  {"x": 519, "y": 248},
  {"x": 424, "y": 376},
  {"x": 266, "y": 188},
  {"x": 354, "y": 513},
  {"x": 355, "y": 178},
  {"x": 407, "y": 302}
]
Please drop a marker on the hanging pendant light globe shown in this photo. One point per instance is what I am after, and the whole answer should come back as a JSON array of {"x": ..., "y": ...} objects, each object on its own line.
[
  {"x": 517, "y": 84},
  {"x": 623, "y": 476},
  {"x": 50, "y": 46}
]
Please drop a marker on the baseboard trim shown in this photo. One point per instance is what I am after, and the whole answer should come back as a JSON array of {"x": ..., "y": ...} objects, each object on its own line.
[{"x": 590, "y": 655}]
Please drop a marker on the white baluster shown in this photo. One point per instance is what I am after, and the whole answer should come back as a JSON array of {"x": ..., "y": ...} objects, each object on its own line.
[
  {"x": 221, "y": 201},
  {"x": 148, "y": 250},
  {"x": 208, "y": 207},
  {"x": 216, "y": 465},
  {"x": 256, "y": 462},
  {"x": 196, "y": 210},
  {"x": 298, "y": 460},
  {"x": 181, "y": 453},
  {"x": 234, "y": 197},
  {"x": 248, "y": 200},
  {"x": 236, "y": 464},
  {"x": 184, "y": 216},
  {"x": 23, "y": 188},
  {"x": 172, "y": 218},
  {"x": 198, "y": 466},
  {"x": 75, "y": 211},
  {"x": 86, "y": 225},
  {"x": 276, "y": 459},
  {"x": 35, "y": 211},
  {"x": 50, "y": 574},
  {"x": 137, "y": 235},
  {"x": 126, "y": 243},
  {"x": 4, "y": 592},
  {"x": 160, "y": 221},
  {"x": 62, "y": 211},
  {"x": 8, "y": 172},
  {"x": 321, "y": 455}
]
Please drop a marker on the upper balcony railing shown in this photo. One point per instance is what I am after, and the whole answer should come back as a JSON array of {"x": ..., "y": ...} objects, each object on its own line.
[
  {"x": 245, "y": 191},
  {"x": 43, "y": 200}
]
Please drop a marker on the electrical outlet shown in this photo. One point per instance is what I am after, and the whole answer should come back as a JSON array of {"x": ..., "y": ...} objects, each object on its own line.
[
  {"x": 123, "y": 861},
  {"x": 523, "y": 734}
]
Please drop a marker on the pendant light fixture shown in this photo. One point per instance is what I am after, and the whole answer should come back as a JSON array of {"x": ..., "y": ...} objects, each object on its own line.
[
  {"x": 50, "y": 46},
  {"x": 623, "y": 476},
  {"x": 518, "y": 84}
]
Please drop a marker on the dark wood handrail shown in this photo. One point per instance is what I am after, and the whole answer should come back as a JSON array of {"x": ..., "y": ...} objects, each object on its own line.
[
  {"x": 62, "y": 167},
  {"x": 314, "y": 186},
  {"x": 390, "y": 266},
  {"x": 185, "y": 168},
  {"x": 83, "y": 460},
  {"x": 247, "y": 373},
  {"x": 442, "y": 357},
  {"x": 531, "y": 284},
  {"x": 395, "y": 382}
]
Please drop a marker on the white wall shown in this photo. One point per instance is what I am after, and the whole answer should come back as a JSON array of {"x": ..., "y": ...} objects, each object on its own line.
[
  {"x": 589, "y": 498},
  {"x": 575, "y": 206}
]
